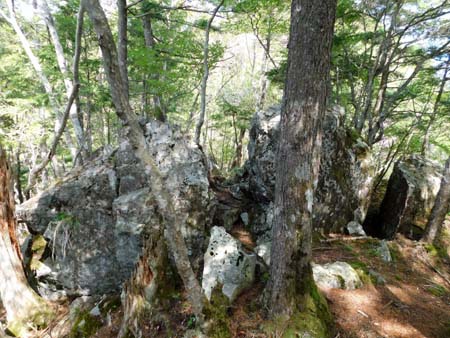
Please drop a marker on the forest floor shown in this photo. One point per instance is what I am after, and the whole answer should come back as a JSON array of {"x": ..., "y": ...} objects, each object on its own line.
[{"x": 411, "y": 300}]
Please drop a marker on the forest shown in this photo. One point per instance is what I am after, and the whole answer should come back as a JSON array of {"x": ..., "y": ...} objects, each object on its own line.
[{"x": 225, "y": 168}]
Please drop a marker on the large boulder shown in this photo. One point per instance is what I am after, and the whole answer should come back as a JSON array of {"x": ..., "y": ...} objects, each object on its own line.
[
  {"x": 262, "y": 151},
  {"x": 337, "y": 275},
  {"x": 227, "y": 265},
  {"x": 409, "y": 198},
  {"x": 345, "y": 178},
  {"x": 95, "y": 219}
]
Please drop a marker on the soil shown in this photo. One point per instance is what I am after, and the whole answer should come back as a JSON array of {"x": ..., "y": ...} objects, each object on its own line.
[{"x": 413, "y": 302}]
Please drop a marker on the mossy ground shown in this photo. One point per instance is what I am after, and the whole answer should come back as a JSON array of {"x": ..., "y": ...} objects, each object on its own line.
[
  {"x": 314, "y": 321},
  {"x": 217, "y": 317},
  {"x": 38, "y": 318},
  {"x": 85, "y": 325}
]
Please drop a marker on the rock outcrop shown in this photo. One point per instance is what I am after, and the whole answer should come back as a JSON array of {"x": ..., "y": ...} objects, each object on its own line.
[
  {"x": 345, "y": 179},
  {"x": 94, "y": 220},
  {"x": 337, "y": 275},
  {"x": 227, "y": 265},
  {"x": 409, "y": 198}
]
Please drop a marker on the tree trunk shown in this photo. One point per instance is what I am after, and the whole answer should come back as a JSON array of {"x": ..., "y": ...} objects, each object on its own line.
[
  {"x": 39, "y": 71},
  {"x": 18, "y": 173},
  {"x": 22, "y": 304},
  {"x": 201, "y": 119},
  {"x": 142, "y": 288},
  {"x": 46, "y": 15},
  {"x": 426, "y": 138},
  {"x": 160, "y": 111},
  {"x": 171, "y": 220},
  {"x": 304, "y": 105},
  {"x": 123, "y": 44},
  {"x": 440, "y": 208}
]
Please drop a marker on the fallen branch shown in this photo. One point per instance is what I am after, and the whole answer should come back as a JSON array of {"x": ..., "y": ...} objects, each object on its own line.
[
  {"x": 363, "y": 314},
  {"x": 436, "y": 270},
  {"x": 346, "y": 239}
]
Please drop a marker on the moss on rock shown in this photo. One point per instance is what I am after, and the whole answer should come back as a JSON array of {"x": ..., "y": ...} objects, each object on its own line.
[{"x": 85, "y": 325}]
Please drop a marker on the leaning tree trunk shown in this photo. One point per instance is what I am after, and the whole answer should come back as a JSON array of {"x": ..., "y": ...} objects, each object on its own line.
[
  {"x": 305, "y": 99},
  {"x": 47, "y": 16},
  {"x": 39, "y": 71},
  {"x": 23, "y": 306},
  {"x": 122, "y": 50},
  {"x": 134, "y": 133},
  {"x": 437, "y": 102},
  {"x": 440, "y": 208}
]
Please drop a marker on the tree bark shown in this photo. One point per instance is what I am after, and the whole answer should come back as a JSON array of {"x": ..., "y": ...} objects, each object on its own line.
[
  {"x": 22, "y": 304},
  {"x": 304, "y": 105},
  {"x": 171, "y": 220},
  {"x": 440, "y": 207},
  {"x": 18, "y": 173},
  {"x": 201, "y": 119},
  {"x": 123, "y": 44}
]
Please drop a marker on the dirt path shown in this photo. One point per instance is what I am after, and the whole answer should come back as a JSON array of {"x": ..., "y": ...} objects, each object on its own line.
[{"x": 413, "y": 302}]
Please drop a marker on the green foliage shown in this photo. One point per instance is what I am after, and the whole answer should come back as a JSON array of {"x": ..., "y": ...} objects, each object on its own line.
[
  {"x": 437, "y": 290},
  {"x": 436, "y": 250},
  {"x": 67, "y": 219}
]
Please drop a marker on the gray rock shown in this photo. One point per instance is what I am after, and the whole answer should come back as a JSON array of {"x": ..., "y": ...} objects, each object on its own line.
[
  {"x": 95, "y": 311},
  {"x": 95, "y": 218},
  {"x": 244, "y": 218},
  {"x": 345, "y": 179},
  {"x": 263, "y": 250},
  {"x": 262, "y": 149},
  {"x": 337, "y": 275},
  {"x": 409, "y": 198},
  {"x": 379, "y": 279},
  {"x": 383, "y": 252},
  {"x": 227, "y": 264},
  {"x": 355, "y": 229}
]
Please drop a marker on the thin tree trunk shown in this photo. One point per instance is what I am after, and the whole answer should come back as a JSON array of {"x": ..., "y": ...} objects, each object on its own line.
[
  {"x": 46, "y": 15},
  {"x": 158, "y": 103},
  {"x": 201, "y": 119},
  {"x": 426, "y": 138},
  {"x": 50, "y": 155},
  {"x": 122, "y": 50},
  {"x": 304, "y": 105},
  {"x": 171, "y": 220},
  {"x": 264, "y": 68},
  {"x": 18, "y": 172},
  {"x": 238, "y": 143},
  {"x": 39, "y": 71},
  {"x": 22, "y": 304},
  {"x": 440, "y": 208},
  {"x": 75, "y": 87}
]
